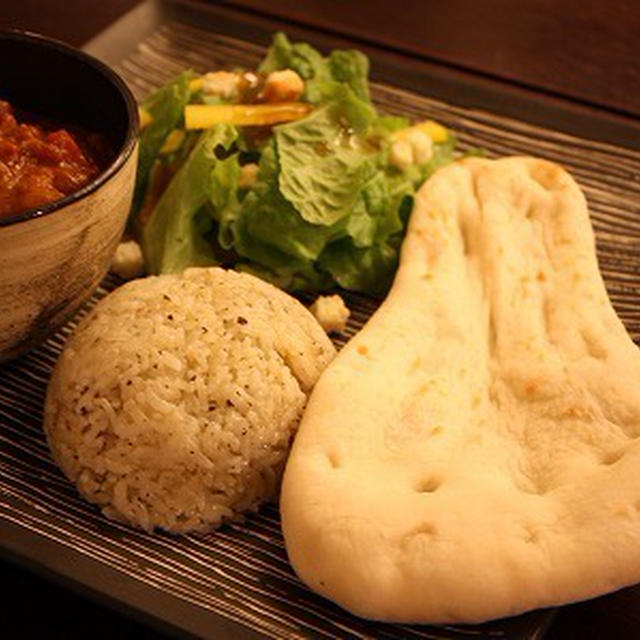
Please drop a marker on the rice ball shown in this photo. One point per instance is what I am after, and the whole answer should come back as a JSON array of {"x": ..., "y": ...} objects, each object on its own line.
[{"x": 175, "y": 401}]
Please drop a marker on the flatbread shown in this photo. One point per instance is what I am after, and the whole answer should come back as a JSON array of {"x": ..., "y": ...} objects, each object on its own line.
[{"x": 473, "y": 452}]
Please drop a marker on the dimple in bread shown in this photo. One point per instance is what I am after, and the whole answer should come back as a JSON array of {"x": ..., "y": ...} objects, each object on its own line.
[{"x": 473, "y": 452}]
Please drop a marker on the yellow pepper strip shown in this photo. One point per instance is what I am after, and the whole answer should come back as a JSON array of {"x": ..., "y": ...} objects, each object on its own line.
[
  {"x": 204, "y": 116},
  {"x": 172, "y": 141},
  {"x": 144, "y": 117},
  {"x": 196, "y": 84},
  {"x": 434, "y": 130}
]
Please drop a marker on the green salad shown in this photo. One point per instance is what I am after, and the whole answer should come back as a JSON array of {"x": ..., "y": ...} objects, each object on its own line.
[{"x": 287, "y": 171}]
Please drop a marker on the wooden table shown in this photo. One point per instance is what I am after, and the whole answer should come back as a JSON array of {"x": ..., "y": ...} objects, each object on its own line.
[{"x": 593, "y": 51}]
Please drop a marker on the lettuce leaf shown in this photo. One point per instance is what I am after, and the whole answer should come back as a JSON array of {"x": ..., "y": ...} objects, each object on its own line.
[
  {"x": 322, "y": 165},
  {"x": 306, "y": 61},
  {"x": 352, "y": 68},
  {"x": 354, "y": 245},
  {"x": 322, "y": 76},
  {"x": 223, "y": 197},
  {"x": 369, "y": 270},
  {"x": 166, "y": 107},
  {"x": 270, "y": 231},
  {"x": 327, "y": 209},
  {"x": 173, "y": 237}
]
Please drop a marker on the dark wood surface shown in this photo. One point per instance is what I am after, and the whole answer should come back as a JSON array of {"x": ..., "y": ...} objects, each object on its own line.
[
  {"x": 72, "y": 21},
  {"x": 587, "y": 51}
]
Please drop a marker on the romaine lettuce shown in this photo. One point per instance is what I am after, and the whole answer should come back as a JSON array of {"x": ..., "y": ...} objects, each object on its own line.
[
  {"x": 326, "y": 209},
  {"x": 322, "y": 76},
  {"x": 323, "y": 163},
  {"x": 173, "y": 237},
  {"x": 166, "y": 108}
]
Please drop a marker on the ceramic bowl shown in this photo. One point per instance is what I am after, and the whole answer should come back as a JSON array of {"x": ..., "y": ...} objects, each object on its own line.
[{"x": 53, "y": 257}]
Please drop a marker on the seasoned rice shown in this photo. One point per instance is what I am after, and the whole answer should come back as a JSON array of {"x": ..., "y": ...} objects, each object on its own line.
[{"x": 175, "y": 401}]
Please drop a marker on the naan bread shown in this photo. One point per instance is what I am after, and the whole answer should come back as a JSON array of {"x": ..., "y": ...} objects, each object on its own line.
[{"x": 473, "y": 452}]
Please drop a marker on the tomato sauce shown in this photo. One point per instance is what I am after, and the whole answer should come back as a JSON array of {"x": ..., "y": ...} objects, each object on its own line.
[{"x": 38, "y": 166}]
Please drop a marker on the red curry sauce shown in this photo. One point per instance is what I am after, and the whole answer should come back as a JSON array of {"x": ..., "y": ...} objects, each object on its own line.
[{"x": 36, "y": 166}]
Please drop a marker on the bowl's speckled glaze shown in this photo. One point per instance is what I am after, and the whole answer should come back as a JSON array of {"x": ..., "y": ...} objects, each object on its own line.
[
  {"x": 50, "y": 264},
  {"x": 53, "y": 257}
]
